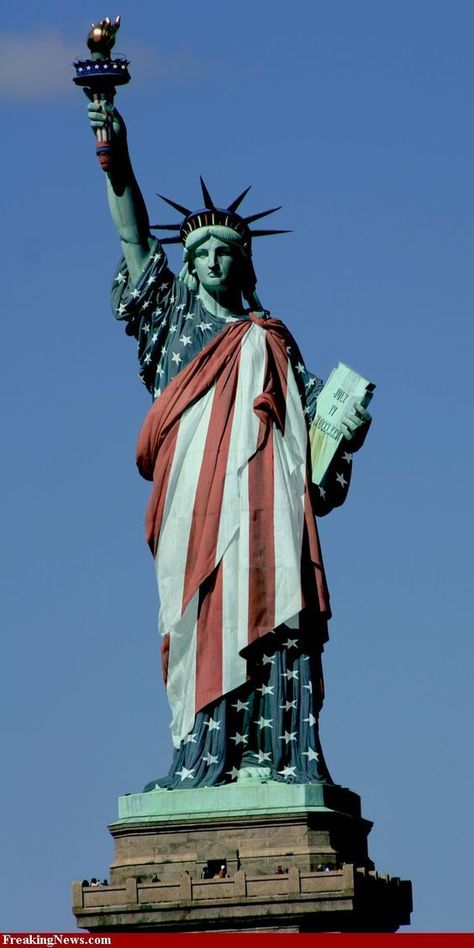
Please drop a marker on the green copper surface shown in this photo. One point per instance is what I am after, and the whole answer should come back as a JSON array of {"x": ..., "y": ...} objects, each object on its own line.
[{"x": 241, "y": 798}]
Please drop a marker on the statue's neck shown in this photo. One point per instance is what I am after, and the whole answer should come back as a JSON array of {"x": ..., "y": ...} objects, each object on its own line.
[{"x": 223, "y": 305}]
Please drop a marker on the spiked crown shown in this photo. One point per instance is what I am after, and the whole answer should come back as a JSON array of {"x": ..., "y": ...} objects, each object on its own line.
[{"x": 210, "y": 215}]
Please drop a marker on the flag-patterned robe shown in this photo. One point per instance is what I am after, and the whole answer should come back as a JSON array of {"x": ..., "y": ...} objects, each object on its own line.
[{"x": 231, "y": 515}]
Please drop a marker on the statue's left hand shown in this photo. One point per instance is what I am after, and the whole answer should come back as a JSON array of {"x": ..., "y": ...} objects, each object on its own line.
[{"x": 355, "y": 425}]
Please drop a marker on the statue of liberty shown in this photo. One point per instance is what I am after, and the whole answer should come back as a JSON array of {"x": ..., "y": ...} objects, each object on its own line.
[{"x": 231, "y": 522}]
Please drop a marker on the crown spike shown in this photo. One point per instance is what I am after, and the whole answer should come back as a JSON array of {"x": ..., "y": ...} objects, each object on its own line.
[
  {"x": 208, "y": 202},
  {"x": 178, "y": 207},
  {"x": 267, "y": 233},
  {"x": 165, "y": 226},
  {"x": 238, "y": 200},
  {"x": 256, "y": 217}
]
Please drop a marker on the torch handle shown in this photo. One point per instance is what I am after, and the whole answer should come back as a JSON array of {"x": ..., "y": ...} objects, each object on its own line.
[{"x": 104, "y": 148}]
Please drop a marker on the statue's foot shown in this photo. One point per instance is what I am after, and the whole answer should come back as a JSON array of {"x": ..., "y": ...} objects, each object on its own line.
[
  {"x": 254, "y": 773},
  {"x": 160, "y": 783}
]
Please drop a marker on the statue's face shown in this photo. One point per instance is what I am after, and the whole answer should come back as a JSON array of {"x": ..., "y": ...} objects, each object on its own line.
[{"x": 216, "y": 265}]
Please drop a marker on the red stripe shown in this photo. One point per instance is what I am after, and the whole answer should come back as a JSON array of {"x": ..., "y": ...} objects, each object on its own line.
[
  {"x": 201, "y": 558},
  {"x": 156, "y": 504},
  {"x": 270, "y": 406},
  {"x": 261, "y": 612},
  {"x": 165, "y": 657},
  {"x": 209, "y": 640},
  {"x": 315, "y": 590},
  {"x": 261, "y": 590}
]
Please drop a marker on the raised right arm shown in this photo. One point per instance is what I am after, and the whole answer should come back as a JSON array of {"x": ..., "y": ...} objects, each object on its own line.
[{"x": 126, "y": 203}]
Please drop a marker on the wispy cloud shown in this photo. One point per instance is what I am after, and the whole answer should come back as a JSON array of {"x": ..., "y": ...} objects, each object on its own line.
[
  {"x": 35, "y": 66},
  {"x": 38, "y": 65}
]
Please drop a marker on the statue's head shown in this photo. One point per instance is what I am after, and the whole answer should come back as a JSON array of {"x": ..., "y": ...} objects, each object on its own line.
[{"x": 218, "y": 259}]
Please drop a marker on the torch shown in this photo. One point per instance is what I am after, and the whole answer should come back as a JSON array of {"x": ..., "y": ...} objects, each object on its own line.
[{"x": 99, "y": 75}]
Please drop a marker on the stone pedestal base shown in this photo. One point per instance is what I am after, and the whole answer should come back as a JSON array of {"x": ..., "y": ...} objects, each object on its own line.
[{"x": 295, "y": 856}]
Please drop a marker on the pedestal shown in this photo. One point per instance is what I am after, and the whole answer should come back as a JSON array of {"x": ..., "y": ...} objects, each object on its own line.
[{"x": 295, "y": 859}]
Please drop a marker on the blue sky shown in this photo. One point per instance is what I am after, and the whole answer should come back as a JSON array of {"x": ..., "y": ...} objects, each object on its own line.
[{"x": 357, "y": 118}]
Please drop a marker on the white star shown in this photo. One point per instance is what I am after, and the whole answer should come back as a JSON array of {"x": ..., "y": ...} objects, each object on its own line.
[
  {"x": 190, "y": 315},
  {"x": 190, "y": 739},
  {"x": 210, "y": 759},
  {"x": 309, "y": 687},
  {"x": 290, "y": 675},
  {"x": 322, "y": 492},
  {"x": 311, "y": 720},
  {"x": 291, "y": 643},
  {"x": 185, "y": 774},
  {"x": 176, "y": 358},
  {"x": 310, "y": 383},
  {"x": 146, "y": 304},
  {"x": 288, "y": 771},
  {"x": 156, "y": 392},
  {"x": 151, "y": 279},
  {"x": 307, "y": 410},
  {"x": 234, "y": 773},
  {"x": 341, "y": 480},
  {"x": 135, "y": 293},
  {"x": 173, "y": 328},
  {"x": 181, "y": 306},
  {"x": 147, "y": 359},
  {"x": 213, "y": 725},
  {"x": 264, "y": 722},
  {"x": 120, "y": 278},
  {"x": 146, "y": 327},
  {"x": 172, "y": 298},
  {"x": 186, "y": 340},
  {"x": 287, "y": 736},
  {"x": 158, "y": 312},
  {"x": 288, "y": 705},
  {"x": 240, "y": 738},
  {"x": 268, "y": 660},
  {"x": 310, "y": 754},
  {"x": 241, "y": 705},
  {"x": 266, "y": 689},
  {"x": 156, "y": 257},
  {"x": 155, "y": 337},
  {"x": 163, "y": 349},
  {"x": 160, "y": 371},
  {"x": 204, "y": 326},
  {"x": 300, "y": 368},
  {"x": 288, "y": 349},
  {"x": 121, "y": 309},
  {"x": 262, "y": 756},
  {"x": 347, "y": 457}
]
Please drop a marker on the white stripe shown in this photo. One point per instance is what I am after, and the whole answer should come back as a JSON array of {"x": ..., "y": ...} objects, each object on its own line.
[
  {"x": 172, "y": 552},
  {"x": 289, "y": 467},
  {"x": 181, "y": 685},
  {"x": 170, "y": 564},
  {"x": 233, "y": 538}
]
